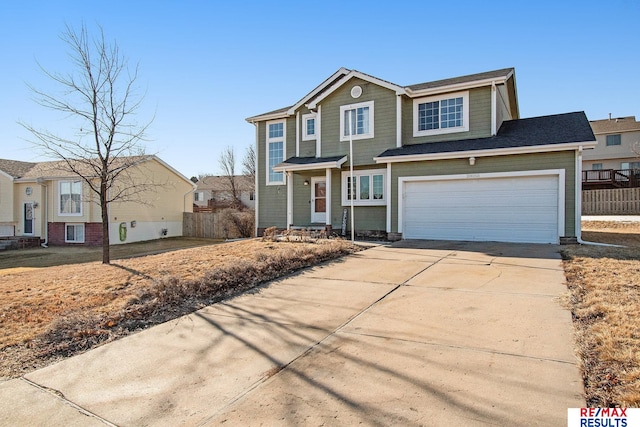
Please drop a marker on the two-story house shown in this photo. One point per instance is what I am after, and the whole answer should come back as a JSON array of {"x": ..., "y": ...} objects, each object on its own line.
[
  {"x": 618, "y": 144},
  {"x": 448, "y": 159},
  {"x": 48, "y": 201}
]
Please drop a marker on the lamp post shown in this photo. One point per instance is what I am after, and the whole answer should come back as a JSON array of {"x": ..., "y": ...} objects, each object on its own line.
[{"x": 352, "y": 187}]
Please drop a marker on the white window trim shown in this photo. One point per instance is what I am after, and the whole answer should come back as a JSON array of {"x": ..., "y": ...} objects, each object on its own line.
[
  {"x": 465, "y": 114},
  {"x": 268, "y": 140},
  {"x": 358, "y": 174},
  {"x": 344, "y": 108},
  {"x": 60, "y": 213},
  {"x": 305, "y": 135},
  {"x": 74, "y": 225}
]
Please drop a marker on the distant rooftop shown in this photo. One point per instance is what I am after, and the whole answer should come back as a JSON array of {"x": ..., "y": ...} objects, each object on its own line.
[{"x": 615, "y": 124}]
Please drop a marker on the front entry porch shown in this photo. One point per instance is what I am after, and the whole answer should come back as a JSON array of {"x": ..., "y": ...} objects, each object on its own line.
[{"x": 310, "y": 185}]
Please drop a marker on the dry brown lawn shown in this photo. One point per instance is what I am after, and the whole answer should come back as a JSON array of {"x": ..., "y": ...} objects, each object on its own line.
[
  {"x": 48, "y": 313},
  {"x": 604, "y": 286},
  {"x": 51, "y": 312}
]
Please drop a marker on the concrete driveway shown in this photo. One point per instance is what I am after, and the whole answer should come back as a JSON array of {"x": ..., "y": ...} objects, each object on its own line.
[{"x": 416, "y": 333}]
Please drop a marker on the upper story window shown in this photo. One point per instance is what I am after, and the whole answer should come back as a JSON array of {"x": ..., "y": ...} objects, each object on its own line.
[
  {"x": 360, "y": 116},
  {"x": 441, "y": 114},
  {"x": 367, "y": 188},
  {"x": 308, "y": 127},
  {"x": 276, "y": 136},
  {"x": 70, "y": 201},
  {"x": 198, "y": 196},
  {"x": 614, "y": 139},
  {"x": 596, "y": 167}
]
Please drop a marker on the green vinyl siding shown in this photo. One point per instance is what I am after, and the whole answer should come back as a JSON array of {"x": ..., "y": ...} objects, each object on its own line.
[
  {"x": 479, "y": 120},
  {"x": 307, "y": 148},
  {"x": 384, "y": 122},
  {"x": 367, "y": 217},
  {"x": 556, "y": 160},
  {"x": 272, "y": 199}
]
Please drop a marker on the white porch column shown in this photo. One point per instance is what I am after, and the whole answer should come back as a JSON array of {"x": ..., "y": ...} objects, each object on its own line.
[
  {"x": 328, "y": 196},
  {"x": 289, "y": 199}
]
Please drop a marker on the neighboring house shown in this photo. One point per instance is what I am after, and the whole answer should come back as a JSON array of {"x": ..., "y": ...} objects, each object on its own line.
[
  {"x": 448, "y": 159},
  {"x": 216, "y": 189},
  {"x": 618, "y": 144},
  {"x": 46, "y": 200}
]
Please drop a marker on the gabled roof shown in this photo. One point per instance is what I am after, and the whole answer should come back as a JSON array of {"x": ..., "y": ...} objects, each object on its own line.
[
  {"x": 343, "y": 75},
  {"x": 399, "y": 90},
  {"x": 545, "y": 133},
  {"x": 221, "y": 183},
  {"x": 15, "y": 168},
  {"x": 55, "y": 169},
  {"x": 617, "y": 124},
  {"x": 489, "y": 76}
]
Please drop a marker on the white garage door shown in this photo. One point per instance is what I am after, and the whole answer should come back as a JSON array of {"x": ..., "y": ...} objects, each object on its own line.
[{"x": 502, "y": 209}]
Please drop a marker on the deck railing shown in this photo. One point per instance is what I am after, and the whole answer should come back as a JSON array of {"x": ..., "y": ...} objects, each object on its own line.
[{"x": 611, "y": 178}]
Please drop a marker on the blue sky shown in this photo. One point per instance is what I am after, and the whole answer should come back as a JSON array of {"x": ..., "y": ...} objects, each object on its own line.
[{"x": 206, "y": 66}]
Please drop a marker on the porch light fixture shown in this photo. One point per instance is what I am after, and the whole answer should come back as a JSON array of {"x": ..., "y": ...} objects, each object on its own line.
[
  {"x": 306, "y": 182},
  {"x": 472, "y": 161}
]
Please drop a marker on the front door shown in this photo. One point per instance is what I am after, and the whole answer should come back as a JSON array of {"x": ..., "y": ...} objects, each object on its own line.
[
  {"x": 28, "y": 218},
  {"x": 319, "y": 200}
]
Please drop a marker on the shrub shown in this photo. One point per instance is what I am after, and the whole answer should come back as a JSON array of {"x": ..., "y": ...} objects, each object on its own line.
[{"x": 238, "y": 222}]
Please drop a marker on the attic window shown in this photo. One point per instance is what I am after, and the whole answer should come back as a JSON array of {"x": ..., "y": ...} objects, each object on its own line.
[{"x": 441, "y": 114}]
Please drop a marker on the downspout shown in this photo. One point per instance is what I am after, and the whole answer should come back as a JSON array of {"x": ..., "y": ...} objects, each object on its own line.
[
  {"x": 41, "y": 182},
  {"x": 494, "y": 107},
  {"x": 579, "y": 204}
]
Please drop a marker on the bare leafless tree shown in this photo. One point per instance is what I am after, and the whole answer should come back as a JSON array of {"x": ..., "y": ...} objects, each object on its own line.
[
  {"x": 227, "y": 163},
  {"x": 99, "y": 96},
  {"x": 249, "y": 163}
]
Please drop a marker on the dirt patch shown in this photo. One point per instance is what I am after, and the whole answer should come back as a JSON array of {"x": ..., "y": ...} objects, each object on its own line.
[
  {"x": 50, "y": 313},
  {"x": 604, "y": 285}
]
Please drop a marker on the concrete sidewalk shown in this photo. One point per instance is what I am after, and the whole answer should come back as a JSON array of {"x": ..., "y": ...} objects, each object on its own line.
[{"x": 418, "y": 333}]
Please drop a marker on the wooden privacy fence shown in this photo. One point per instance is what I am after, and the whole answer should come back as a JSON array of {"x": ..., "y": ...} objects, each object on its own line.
[
  {"x": 204, "y": 224},
  {"x": 618, "y": 201}
]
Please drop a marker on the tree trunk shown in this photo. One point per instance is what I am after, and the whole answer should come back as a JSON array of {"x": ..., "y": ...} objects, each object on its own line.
[{"x": 104, "y": 207}]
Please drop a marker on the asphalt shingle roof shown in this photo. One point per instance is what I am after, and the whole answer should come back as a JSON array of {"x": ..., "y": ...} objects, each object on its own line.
[
  {"x": 462, "y": 79},
  {"x": 56, "y": 168},
  {"x": 310, "y": 160},
  {"x": 15, "y": 168},
  {"x": 617, "y": 124},
  {"x": 221, "y": 183},
  {"x": 503, "y": 72},
  {"x": 544, "y": 130}
]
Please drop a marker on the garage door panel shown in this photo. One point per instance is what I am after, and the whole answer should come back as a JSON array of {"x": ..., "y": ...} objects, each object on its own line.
[{"x": 520, "y": 209}]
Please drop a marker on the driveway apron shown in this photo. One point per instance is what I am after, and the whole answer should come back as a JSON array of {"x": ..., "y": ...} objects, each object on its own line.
[{"x": 417, "y": 333}]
